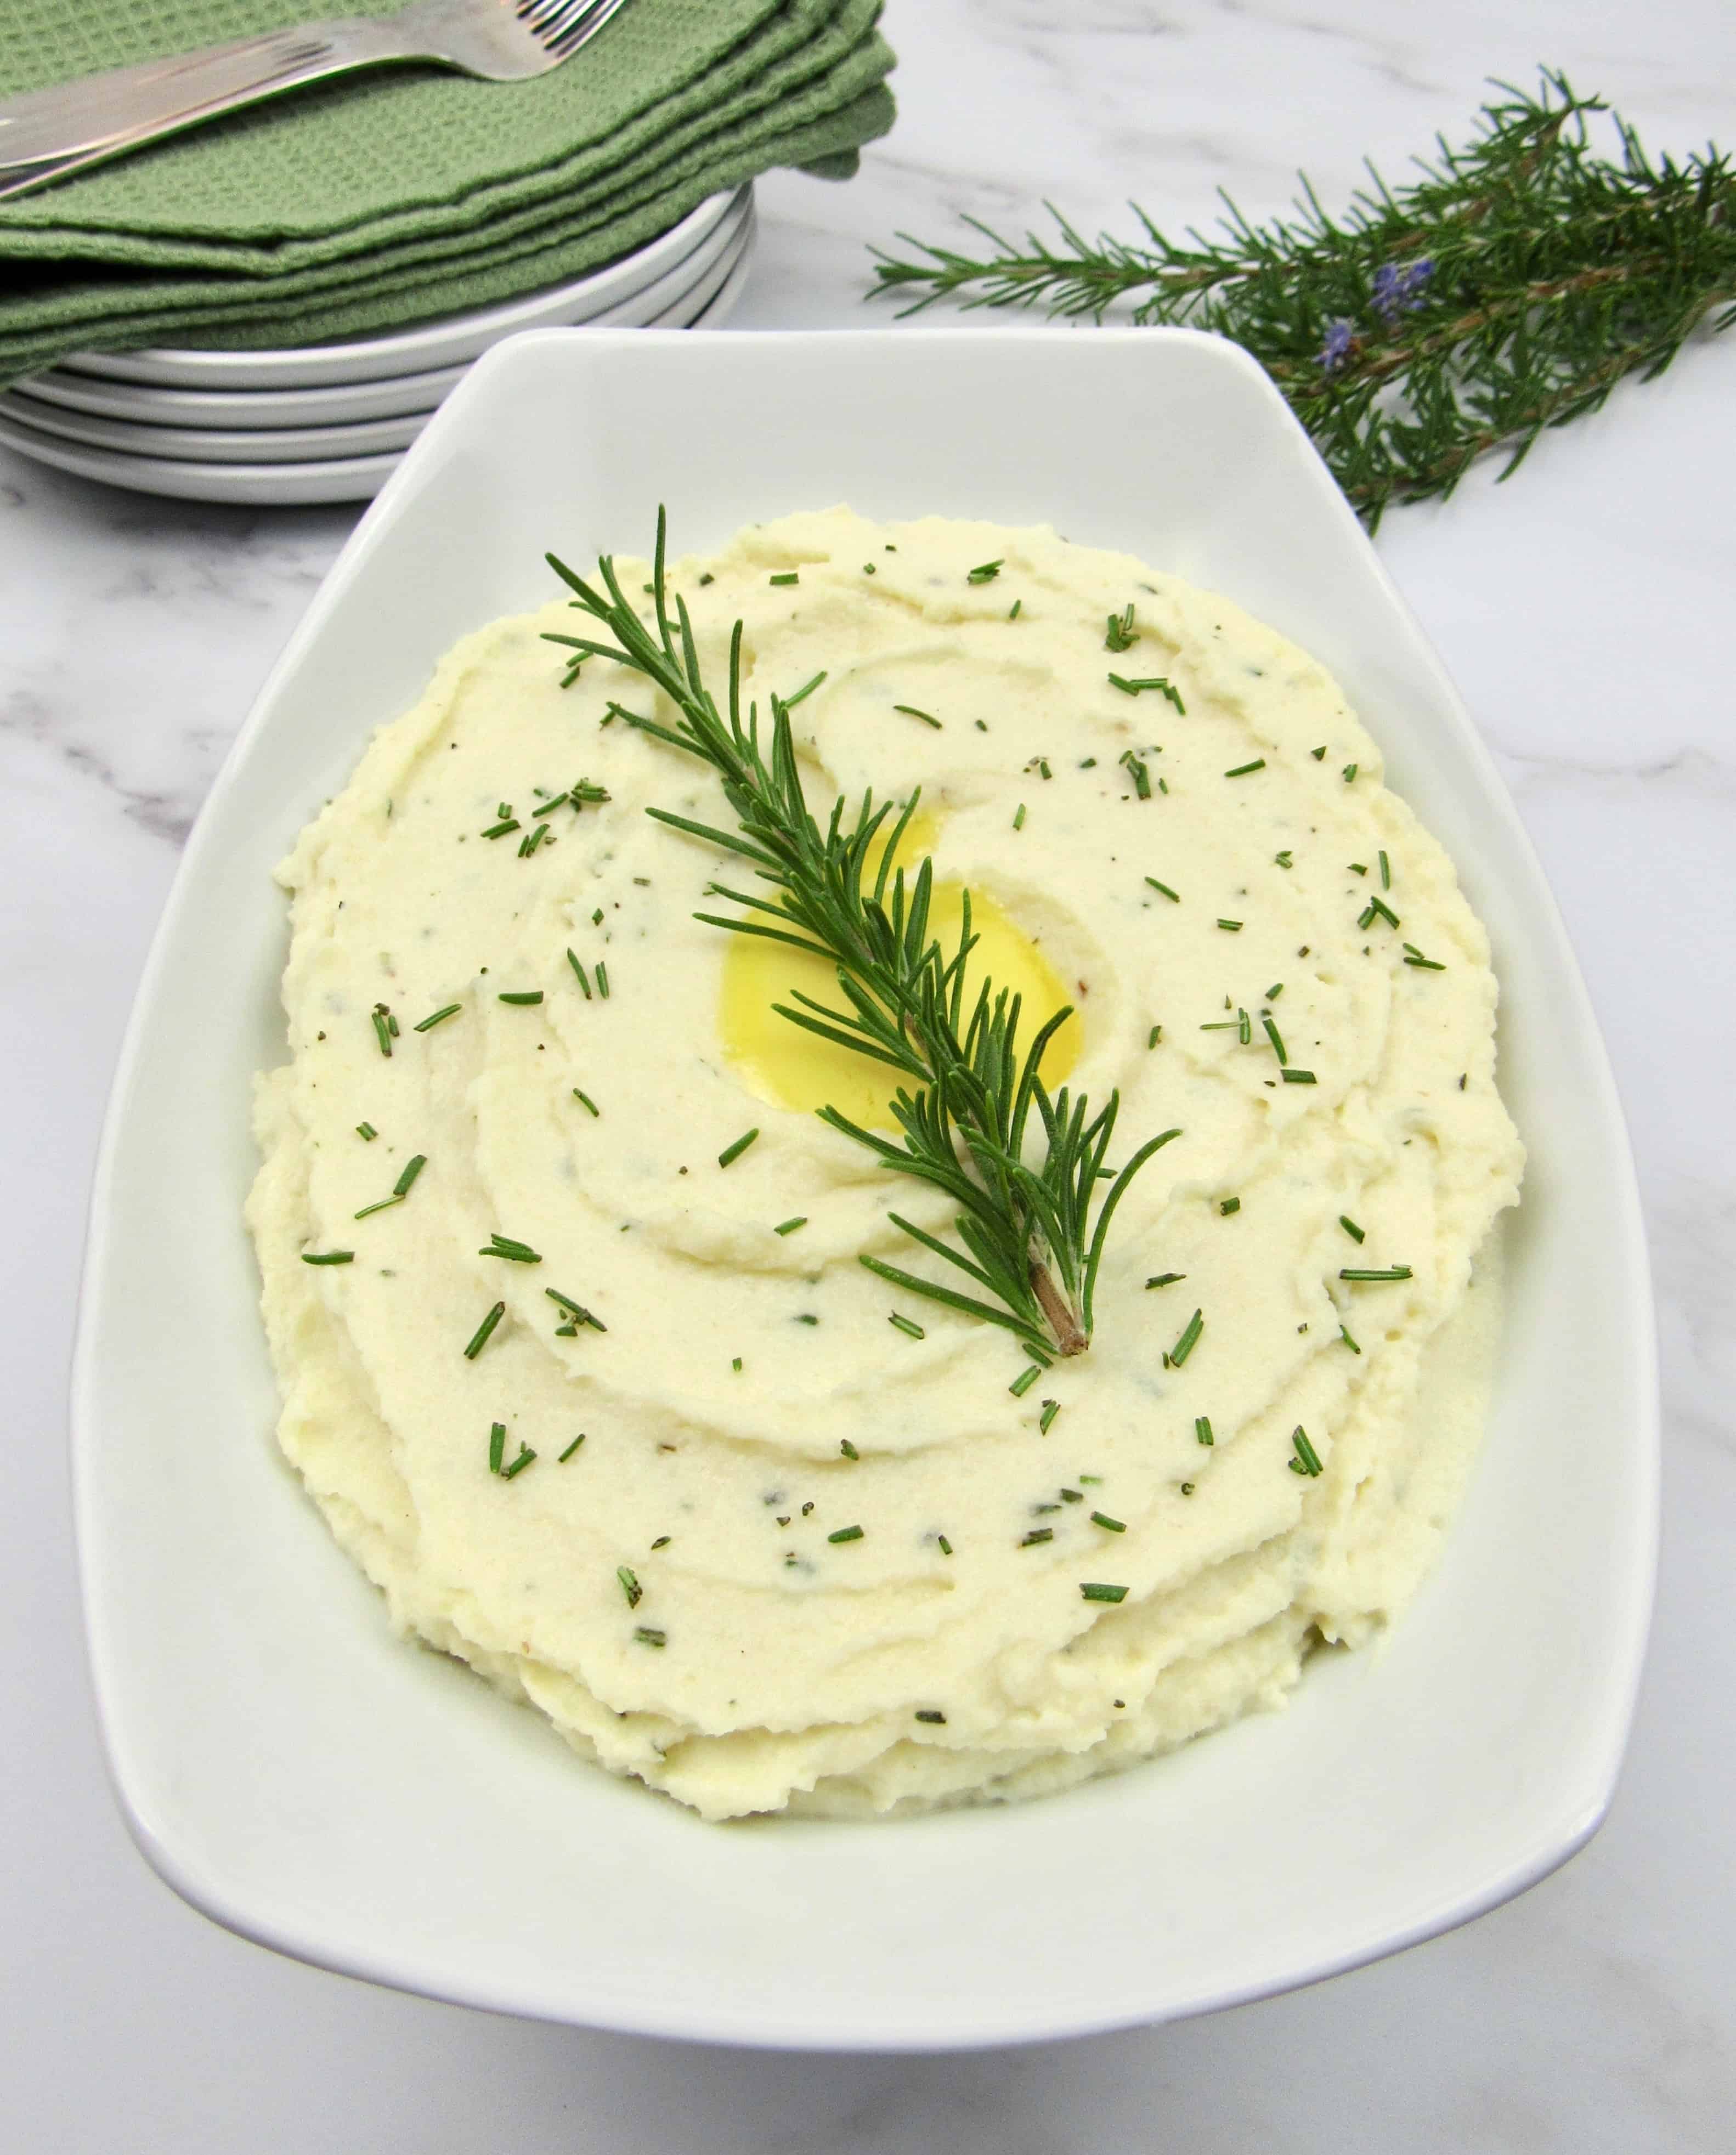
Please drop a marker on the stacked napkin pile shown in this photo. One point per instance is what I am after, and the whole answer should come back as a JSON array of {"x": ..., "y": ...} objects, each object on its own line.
[{"x": 381, "y": 199}]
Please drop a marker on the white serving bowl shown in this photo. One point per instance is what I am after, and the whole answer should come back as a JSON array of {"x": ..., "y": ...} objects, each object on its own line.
[{"x": 307, "y": 1779}]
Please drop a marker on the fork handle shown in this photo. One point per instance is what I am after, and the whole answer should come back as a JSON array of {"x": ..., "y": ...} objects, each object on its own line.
[{"x": 48, "y": 133}]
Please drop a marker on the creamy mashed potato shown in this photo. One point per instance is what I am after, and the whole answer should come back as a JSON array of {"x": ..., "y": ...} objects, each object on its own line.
[{"x": 771, "y": 1550}]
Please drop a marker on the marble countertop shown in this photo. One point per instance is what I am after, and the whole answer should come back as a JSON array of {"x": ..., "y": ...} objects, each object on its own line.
[{"x": 1579, "y": 609}]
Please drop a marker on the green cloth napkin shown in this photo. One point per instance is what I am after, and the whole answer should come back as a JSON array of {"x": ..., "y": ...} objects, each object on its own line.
[{"x": 396, "y": 195}]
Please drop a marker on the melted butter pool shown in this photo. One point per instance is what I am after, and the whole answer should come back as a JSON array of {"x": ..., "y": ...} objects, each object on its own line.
[{"x": 788, "y": 1067}]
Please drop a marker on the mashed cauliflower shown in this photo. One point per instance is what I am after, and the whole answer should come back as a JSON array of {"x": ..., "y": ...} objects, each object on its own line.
[{"x": 692, "y": 1494}]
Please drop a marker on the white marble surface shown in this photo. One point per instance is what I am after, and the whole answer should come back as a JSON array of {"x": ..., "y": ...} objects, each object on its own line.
[{"x": 1585, "y": 610}]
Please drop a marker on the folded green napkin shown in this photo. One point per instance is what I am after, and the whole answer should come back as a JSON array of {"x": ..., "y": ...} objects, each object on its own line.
[{"x": 398, "y": 195}]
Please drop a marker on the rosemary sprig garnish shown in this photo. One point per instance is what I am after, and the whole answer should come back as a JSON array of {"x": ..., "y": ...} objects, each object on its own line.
[
  {"x": 1507, "y": 289},
  {"x": 1033, "y": 1236}
]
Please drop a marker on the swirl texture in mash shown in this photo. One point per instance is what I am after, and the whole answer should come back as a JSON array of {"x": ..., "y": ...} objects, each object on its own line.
[{"x": 673, "y": 1594}]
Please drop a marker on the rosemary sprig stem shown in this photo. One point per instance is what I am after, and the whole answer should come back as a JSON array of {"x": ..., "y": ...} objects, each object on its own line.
[
  {"x": 1033, "y": 1235},
  {"x": 1507, "y": 288}
]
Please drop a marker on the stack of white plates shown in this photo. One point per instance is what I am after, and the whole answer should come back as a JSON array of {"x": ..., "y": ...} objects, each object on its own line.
[{"x": 330, "y": 422}]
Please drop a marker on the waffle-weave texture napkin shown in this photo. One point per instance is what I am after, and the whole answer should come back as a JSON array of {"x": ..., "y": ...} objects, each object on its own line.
[{"x": 401, "y": 194}]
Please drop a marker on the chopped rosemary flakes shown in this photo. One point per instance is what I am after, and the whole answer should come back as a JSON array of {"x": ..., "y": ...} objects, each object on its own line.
[
  {"x": 497, "y": 1446},
  {"x": 1095, "y": 1589},
  {"x": 575, "y": 1310},
  {"x": 789, "y": 1226},
  {"x": 526, "y": 1455},
  {"x": 1243, "y": 770},
  {"x": 1350, "y": 1227},
  {"x": 1036, "y": 1535},
  {"x": 1163, "y": 1279},
  {"x": 630, "y": 1585},
  {"x": 1110, "y": 1526},
  {"x": 735, "y": 1149},
  {"x": 573, "y": 960},
  {"x": 647, "y": 1636},
  {"x": 846, "y": 1535},
  {"x": 480, "y": 1338},
  {"x": 1292, "y": 1076},
  {"x": 570, "y": 1449},
  {"x": 985, "y": 572},
  {"x": 1386, "y": 1273},
  {"x": 515, "y": 1252},
  {"x": 907, "y": 1325},
  {"x": 437, "y": 1017},
  {"x": 928, "y": 718},
  {"x": 1158, "y": 681},
  {"x": 929, "y": 1714},
  {"x": 366, "y": 1132},
  {"x": 1045, "y": 1420},
  {"x": 328, "y": 1256},
  {"x": 585, "y": 1101},
  {"x": 1189, "y": 1340},
  {"x": 1025, "y": 1379},
  {"x": 1306, "y": 1460},
  {"x": 1202, "y": 1429},
  {"x": 1163, "y": 890},
  {"x": 525, "y": 995}
]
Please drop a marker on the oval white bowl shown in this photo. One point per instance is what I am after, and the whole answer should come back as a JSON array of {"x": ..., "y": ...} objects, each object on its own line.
[{"x": 305, "y": 1777}]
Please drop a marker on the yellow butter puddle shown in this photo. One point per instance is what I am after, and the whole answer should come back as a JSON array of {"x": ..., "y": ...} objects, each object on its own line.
[{"x": 789, "y": 1067}]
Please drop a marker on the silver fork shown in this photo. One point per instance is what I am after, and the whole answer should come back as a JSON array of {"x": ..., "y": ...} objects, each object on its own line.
[{"x": 48, "y": 133}]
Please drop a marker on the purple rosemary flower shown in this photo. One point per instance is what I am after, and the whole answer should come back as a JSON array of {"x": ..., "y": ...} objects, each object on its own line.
[
  {"x": 1336, "y": 350},
  {"x": 1399, "y": 291}
]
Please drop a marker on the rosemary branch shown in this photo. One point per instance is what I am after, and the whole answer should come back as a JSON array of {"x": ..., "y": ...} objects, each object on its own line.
[
  {"x": 1506, "y": 289},
  {"x": 1032, "y": 1236}
]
